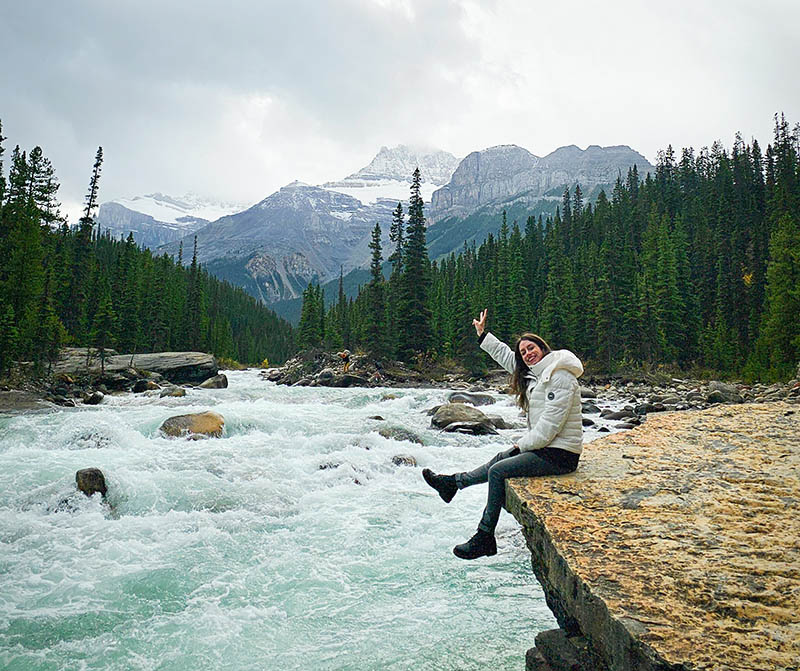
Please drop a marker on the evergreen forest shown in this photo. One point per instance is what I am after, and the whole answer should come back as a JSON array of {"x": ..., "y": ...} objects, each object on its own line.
[
  {"x": 693, "y": 268},
  {"x": 69, "y": 286}
]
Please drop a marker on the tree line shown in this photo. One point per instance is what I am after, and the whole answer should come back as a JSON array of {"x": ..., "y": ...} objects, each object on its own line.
[
  {"x": 62, "y": 285},
  {"x": 695, "y": 266}
]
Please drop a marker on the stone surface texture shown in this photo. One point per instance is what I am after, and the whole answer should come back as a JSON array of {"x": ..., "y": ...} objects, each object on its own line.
[
  {"x": 676, "y": 545},
  {"x": 448, "y": 413},
  {"x": 203, "y": 423},
  {"x": 177, "y": 367}
]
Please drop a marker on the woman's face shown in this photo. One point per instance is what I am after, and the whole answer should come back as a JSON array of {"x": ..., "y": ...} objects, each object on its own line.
[{"x": 531, "y": 352}]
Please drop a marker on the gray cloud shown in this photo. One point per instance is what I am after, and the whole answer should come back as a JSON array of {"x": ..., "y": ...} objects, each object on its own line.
[{"x": 235, "y": 101}]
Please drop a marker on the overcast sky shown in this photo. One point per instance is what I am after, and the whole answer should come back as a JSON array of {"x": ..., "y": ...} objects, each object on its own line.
[{"x": 234, "y": 100}]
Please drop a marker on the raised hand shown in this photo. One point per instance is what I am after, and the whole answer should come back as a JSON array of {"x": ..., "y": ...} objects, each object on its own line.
[{"x": 480, "y": 324}]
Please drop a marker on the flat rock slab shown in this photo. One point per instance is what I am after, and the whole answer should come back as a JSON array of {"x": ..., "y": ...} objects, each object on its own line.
[
  {"x": 177, "y": 367},
  {"x": 19, "y": 401},
  {"x": 676, "y": 545}
]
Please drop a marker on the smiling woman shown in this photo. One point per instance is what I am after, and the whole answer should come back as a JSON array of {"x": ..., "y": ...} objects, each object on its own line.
[{"x": 546, "y": 386}]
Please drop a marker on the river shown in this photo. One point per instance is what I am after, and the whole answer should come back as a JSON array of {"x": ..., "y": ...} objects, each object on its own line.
[{"x": 292, "y": 542}]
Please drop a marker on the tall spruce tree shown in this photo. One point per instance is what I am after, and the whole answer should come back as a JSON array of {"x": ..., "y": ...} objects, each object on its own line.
[
  {"x": 104, "y": 323},
  {"x": 414, "y": 318},
  {"x": 376, "y": 324}
]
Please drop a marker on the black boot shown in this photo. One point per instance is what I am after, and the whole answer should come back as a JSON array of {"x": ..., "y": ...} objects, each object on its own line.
[
  {"x": 444, "y": 484},
  {"x": 482, "y": 544}
]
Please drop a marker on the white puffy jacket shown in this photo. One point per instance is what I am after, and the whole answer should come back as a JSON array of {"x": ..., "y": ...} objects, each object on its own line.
[{"x": 554, "y": 397}]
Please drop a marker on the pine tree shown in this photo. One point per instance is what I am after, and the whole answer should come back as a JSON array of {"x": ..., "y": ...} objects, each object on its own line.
[
  {"x": 104, "y": 324},
  {"x": 49, "y": 333},
  {"x": 309, "y": 332},
  {"x": 376, "y": 326},
  {"x": 196, "y": 319},
  {"x": 779, "y": 342},
  {"x": 127, "y": 291},
  {"x": 397, "y": 236},
  {"x": 94, "y": 186},
  {"x": 413, "y": 318},
  {"x": 342, "y": 320},
  {"x": 501, "y": 284},
  {"x": 42, "y": 187},
  {"x": 2, "y": 174},
  {"x": 9, "y": 337},
  {"x": 24, "y": 271}
]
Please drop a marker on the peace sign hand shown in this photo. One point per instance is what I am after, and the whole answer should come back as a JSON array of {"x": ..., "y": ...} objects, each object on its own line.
[{"x": 480, "y": 324}]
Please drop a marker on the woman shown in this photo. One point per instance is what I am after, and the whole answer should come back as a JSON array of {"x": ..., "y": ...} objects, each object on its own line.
[{"x": 546, "y": 386}]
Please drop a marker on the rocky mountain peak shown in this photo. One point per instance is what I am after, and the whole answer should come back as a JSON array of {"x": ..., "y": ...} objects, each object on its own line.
[
  {"x": 398, "y": 163},
  {"x": 499, "y": 162},
  {"x": 493, "y": 176}
]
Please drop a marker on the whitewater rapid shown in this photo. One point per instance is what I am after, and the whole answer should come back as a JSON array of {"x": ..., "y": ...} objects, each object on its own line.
[{"x": 292, "y": 542}]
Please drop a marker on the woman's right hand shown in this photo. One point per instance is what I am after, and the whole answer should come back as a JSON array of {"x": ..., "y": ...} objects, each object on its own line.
[{"x": 480, "y": 324}]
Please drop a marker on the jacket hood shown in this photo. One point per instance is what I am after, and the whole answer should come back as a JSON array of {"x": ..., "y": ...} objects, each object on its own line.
[{"x": 556, "y": 360}]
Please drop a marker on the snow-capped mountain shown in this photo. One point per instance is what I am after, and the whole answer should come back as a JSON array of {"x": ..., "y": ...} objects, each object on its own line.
[
  {"x": 303, "y": 232},
  {"x": 156, "y": 219},
  {"x": 180, "y": 210},
  {"x": 298, "y": 234},
  {"x": 388, "y": 175}
]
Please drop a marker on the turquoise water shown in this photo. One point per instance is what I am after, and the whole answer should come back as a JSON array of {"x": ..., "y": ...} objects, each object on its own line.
[{"x": 241, "y": 552}]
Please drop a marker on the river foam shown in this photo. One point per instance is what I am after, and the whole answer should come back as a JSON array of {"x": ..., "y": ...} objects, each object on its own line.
[{"x": 292, "y": 542}]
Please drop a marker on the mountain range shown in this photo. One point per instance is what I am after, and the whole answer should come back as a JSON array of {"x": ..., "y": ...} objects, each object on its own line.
[
  {"x": 303, "y": 233},
  {"x": 156, "y": 219}
]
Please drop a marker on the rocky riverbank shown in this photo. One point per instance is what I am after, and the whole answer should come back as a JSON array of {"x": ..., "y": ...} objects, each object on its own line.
[
  {"x": 79, "y": 377},
  {"x": 638, "y": 395},
  {"x": 673, "y": 546}
]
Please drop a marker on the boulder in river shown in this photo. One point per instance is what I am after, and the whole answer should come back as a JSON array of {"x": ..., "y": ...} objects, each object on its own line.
[
  {"x": 470, "y": 397},
  {"x": 399, "y": 433},
  {"x": 95, "y": 398},
  {"x": 144, "y": 385},
  {"x": 90, "y": 481},
  {"x": 474, "y": 428},
  {"x": 404, "y": 460},
  {"x": 346, "y": 380},
  {"x": 216, "y": 382},
  {"x": 457, "y": 412},
  {"x": 196, "y": 424},
  {"x": 178, "y": 392},
  {"x": 619, "y": 414}
]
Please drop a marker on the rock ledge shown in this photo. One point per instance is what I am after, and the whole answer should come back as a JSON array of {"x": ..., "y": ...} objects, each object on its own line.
[{"x": 675, "y": 545}]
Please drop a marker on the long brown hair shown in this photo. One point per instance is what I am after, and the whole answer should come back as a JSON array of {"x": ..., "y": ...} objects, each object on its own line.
[{"x": 519, "y": 381}]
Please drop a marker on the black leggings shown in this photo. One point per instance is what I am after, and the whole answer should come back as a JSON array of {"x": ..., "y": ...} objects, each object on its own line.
[{"x": 514, "y": 464}]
